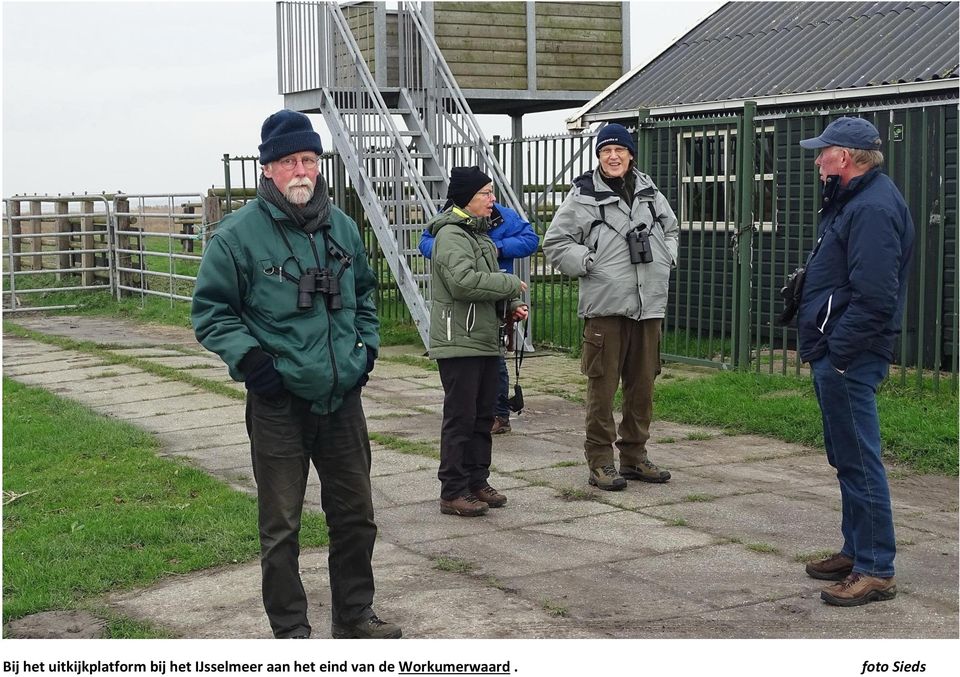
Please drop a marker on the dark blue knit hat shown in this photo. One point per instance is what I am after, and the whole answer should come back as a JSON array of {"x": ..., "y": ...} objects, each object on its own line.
[
  {"x": 287, "y": 132},
  {"x": 616, "y": 134}
]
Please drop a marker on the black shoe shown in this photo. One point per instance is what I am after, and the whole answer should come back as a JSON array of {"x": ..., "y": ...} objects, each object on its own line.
[{"x": 370, "y": 627}]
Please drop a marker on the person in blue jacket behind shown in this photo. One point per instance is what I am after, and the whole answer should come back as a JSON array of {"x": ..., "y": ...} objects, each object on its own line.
[{"x": 515, "y": 239}]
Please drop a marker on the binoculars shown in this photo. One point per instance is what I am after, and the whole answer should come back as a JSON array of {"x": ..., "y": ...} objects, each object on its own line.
[
  {"x": 638, "y": 242},
  {"x": 318, "y": 280}
]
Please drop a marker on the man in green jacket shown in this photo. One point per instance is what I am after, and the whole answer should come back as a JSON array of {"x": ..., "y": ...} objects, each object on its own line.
[
  {"x": 471, "y": 296},
  {"x": 285, "y": 297}
]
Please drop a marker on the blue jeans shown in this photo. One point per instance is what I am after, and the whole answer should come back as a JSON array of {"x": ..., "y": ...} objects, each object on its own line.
[
  {"x": 851, "y": 434},
  {"x": 502, "y": 410}
]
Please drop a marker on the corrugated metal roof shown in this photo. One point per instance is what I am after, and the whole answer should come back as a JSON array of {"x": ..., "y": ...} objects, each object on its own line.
[{"x": 755, "y": 49}]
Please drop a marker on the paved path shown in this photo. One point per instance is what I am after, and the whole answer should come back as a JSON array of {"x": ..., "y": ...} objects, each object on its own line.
[{"x": 713, "y": 553}]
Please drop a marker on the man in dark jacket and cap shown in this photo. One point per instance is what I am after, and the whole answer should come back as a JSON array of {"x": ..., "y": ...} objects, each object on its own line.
[
  {"x": 285, "y": 297},
  {"x": 848, "y": 321}
]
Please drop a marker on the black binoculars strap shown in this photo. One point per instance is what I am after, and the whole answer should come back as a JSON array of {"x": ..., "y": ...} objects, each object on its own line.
[{"x": 518, "y": 354}]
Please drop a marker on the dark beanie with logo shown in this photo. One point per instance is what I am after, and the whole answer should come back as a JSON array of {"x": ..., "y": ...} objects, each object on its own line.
[
  {"x": 465, "y": 182},
  {"x": 287, "y": 132},
  {"x": 614, "y": 134}
]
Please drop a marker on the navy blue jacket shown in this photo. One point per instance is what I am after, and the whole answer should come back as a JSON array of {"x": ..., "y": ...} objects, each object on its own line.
[
  {"x": 514, "y": 238},
  {"x": 855, "y": 285}
]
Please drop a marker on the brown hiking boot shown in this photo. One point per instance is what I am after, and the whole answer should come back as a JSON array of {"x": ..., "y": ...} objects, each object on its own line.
[
  {"x": 368, "y": 628},
  {"x": 857, "y": 589},
  {"x": 500, "y": 425},
  {"x": 645, "y": 471},
  {"x": 836, "y": 567},
  {"x": 606, "y": 478},
  {"x": 467, "y": 505},
  {"x": 490, "y": 496}
]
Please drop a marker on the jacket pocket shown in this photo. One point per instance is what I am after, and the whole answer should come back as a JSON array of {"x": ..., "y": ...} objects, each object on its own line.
[{"x": 591, "y": 355}]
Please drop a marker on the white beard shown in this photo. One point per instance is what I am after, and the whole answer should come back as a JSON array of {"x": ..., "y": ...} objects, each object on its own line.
[{"x": 299, "y": 191}]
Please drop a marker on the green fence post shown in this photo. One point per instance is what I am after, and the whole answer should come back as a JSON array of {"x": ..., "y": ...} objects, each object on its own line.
[{"x": 745, "y": 179}]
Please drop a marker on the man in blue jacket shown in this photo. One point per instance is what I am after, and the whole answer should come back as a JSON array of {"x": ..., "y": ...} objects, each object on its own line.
[
  {"x": 514, "y": 239},
  {"x": 848, "y": 321}
]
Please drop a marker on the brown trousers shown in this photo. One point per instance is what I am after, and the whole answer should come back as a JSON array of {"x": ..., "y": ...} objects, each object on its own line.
[{"x": 618, "y": 348}]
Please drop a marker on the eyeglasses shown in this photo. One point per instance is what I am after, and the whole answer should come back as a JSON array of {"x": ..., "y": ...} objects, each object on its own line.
[
  {"x": 291, "y": 163},
  {"x": 486, "y": 193}
]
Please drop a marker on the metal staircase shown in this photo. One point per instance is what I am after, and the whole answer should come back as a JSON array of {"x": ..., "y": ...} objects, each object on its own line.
[{"x": 398, "y": 156}]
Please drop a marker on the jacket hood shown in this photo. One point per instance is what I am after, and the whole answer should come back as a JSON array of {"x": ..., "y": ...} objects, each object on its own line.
[{"x": 461, "y": 218}]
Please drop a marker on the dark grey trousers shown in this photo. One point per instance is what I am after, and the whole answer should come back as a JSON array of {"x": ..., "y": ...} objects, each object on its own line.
[
  {"x": 469, "y": 396},
  {"x": 285, "y": 437}
]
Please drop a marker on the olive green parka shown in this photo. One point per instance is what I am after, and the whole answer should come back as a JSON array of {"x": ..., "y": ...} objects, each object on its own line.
[{"x": 467, "y": 286}]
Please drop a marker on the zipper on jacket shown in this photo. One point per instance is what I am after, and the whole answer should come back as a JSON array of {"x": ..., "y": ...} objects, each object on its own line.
[
  {"x": 471, "y": 318},
  {"x": 333, "y": 359},
  {"x": 825, "y": 319},
  {"x": 449, "y": 316}
]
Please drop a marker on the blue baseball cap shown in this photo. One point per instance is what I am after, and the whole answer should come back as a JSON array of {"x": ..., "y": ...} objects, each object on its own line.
[{"x": 846, "y": 133}]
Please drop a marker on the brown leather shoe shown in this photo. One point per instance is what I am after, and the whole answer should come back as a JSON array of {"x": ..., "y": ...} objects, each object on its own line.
[
  {"x": 857, "y": 589},
  {"x": 500, "y": 425},
  {"x": 490, "y": 496},
  {"x": 467, "y": 505},
  {"x": 836, "y": 567}
]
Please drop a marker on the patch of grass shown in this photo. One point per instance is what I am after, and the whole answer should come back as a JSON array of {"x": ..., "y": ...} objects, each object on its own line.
[
  {"x": 667, "y": 440},
  {"x": 412, "y": 361},
  {"x": 574, "y": 494},
  {"x": 454, "y": 564},
  {"x": 96, "y": 510},
  {"x": 699, "y": 498},
  {"x": 762, "y": 547},
  {"x": 405, "y": 446},
  {"x": 555, "y": 609},
  {"x": 677, "y": 522},
  {"x": 567, "y": 464},
  {"x": 919, "y": 428},
  {"x": 804, "y": 557},
  {"x": 700, "y": 436}
]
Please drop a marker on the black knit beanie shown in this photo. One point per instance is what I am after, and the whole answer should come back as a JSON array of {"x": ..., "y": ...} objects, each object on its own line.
[
  {"x": 465, "y": 182},
  {"x": 287, "y": 132},
  {"x": 615, "y": 134}
]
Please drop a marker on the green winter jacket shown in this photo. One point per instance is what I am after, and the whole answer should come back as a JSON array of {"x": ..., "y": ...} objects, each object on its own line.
[
  {"x": 467, "y": 284},
  {"x": 244, "y": 300}
]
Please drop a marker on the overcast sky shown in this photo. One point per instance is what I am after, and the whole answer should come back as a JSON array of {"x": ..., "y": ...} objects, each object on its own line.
[{"x": 146, "y": 97}]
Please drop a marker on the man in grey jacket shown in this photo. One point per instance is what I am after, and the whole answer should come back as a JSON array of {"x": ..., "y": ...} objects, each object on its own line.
[{"x": 616, "y": 233}]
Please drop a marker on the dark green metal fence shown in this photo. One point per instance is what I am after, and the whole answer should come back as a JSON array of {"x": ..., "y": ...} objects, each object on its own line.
[{"x": 739, "y": 239}]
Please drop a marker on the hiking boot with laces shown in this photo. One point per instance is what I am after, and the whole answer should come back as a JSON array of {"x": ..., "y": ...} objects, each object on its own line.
[
  {"x": 857, "y": 589},
  {"x": 501, "y": 425},
  {"x": 370, "y": 627},
  {"x": 467, "y": 505},
  {"x": 490, "y": 496},
  {"x": 606, "y": 478},
  {"x": 836, "y": 567},
  {"x": 645, "y": 471}
]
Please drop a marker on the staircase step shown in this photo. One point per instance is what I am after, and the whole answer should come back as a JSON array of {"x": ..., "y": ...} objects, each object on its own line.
[
  {"x": 390, "y": 179},
  {"x": 392, "y": 154},
  {"x": 402, "y": 132}
]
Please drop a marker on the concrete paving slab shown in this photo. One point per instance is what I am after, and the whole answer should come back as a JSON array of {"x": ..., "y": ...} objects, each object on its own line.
[
  {"x": 149, "y": 351},
  {"x": 179, "y": 397},
  {"x": 55, "y": 363},
  {"x": 607, "y": 601},
  {"x": 218, "y": 458},
  {"x": 385, "y": 462},
  {"x": 185, "y": 441},
  {"x": 26, "y": 362},
  {"x": 65, "y": 373},
  {"x": 515, "y": 453},
  {"x": 723, "y": 574},
  {"x": 789, "y": 525},
  {"x": 929, "y": 571},
  {"x": 767, "y": 476},
  {"x": 128, "y": 389},
  {"x": 228, "y": 411},
  {"x": 620, "y": 529},
  {"x": 189, "y": 362}
]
